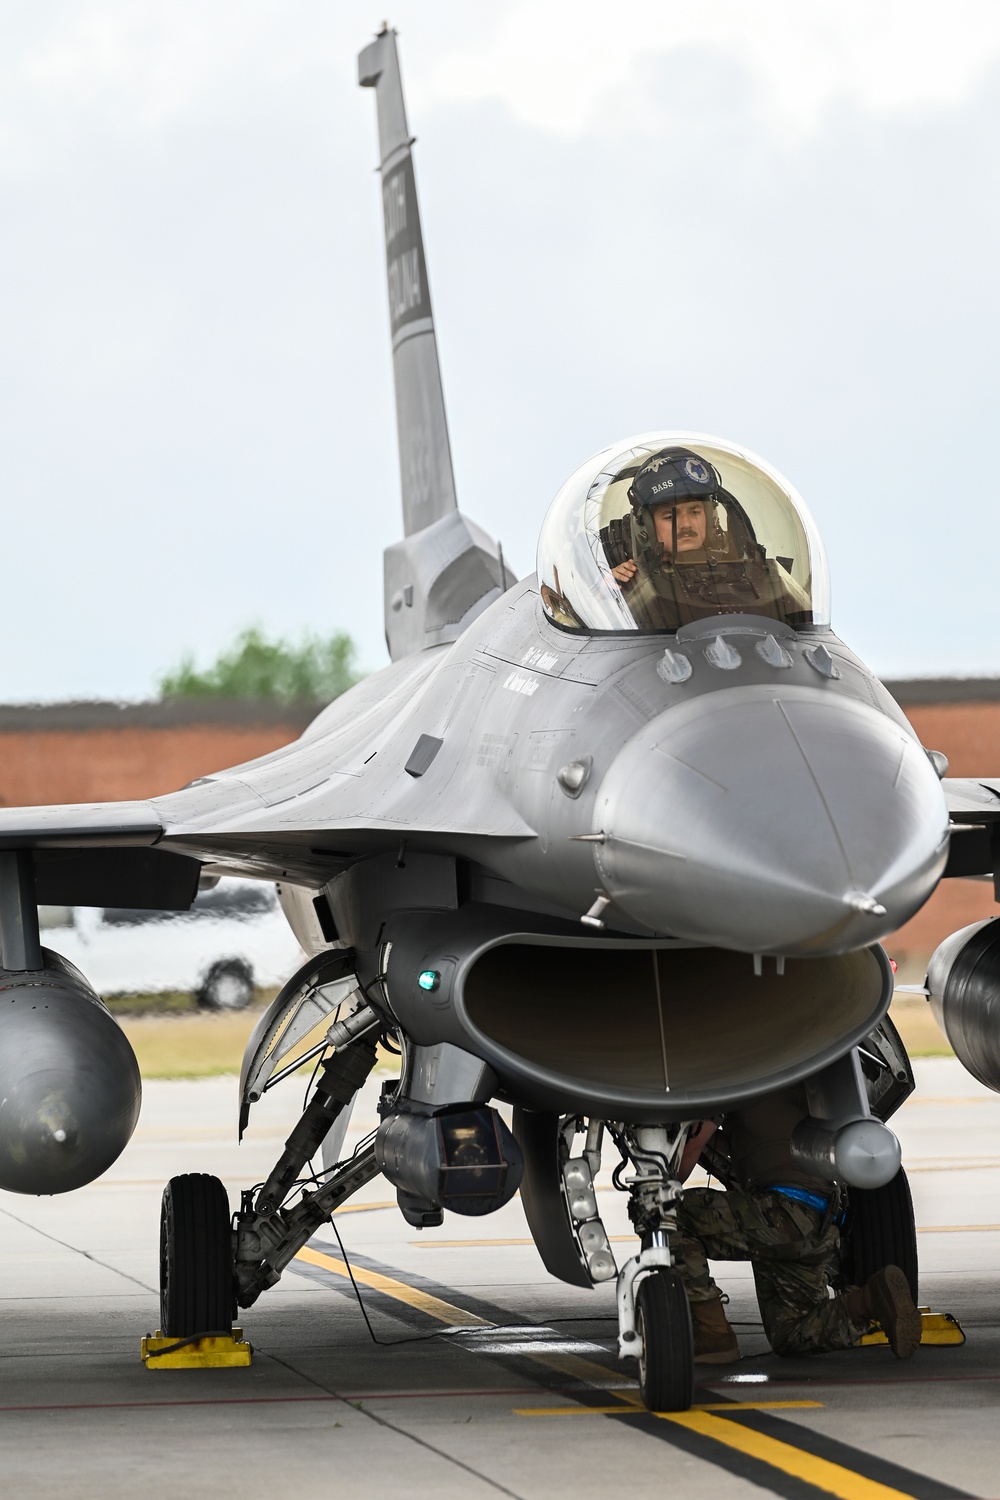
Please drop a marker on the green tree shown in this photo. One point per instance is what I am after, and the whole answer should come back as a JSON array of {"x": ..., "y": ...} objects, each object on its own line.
[{"x": 315, "y": 668}]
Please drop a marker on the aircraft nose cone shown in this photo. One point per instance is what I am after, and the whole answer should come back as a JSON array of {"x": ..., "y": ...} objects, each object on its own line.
[{"x": 793, "y": 822}]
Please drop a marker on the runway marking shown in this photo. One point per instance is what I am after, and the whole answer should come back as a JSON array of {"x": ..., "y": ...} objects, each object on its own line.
[
  {"x": 823, "y": 1475},
  {"x": 958, "y": 1228},
  {"x": 364, "y": 1208},
  {"x": 747, "y": 1439},
  {"x": 619, "y": 1411},
  {"x": 435, "y": 1307},
  {"x": 616, "y": 1239}
]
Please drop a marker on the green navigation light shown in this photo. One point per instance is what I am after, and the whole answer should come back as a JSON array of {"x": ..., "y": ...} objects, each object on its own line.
[{"x": 429, "y": 979}]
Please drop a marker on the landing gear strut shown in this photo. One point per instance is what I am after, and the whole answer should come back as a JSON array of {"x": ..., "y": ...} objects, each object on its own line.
[{"x": 654, "y": 1320}]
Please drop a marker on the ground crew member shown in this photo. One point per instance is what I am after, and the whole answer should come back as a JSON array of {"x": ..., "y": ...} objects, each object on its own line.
[{"x": 784, "y": 1221}]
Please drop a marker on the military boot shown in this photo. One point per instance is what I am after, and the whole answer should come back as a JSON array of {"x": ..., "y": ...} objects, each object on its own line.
[
  {"x": 885, "y": 1299},
  {"x": 714, "y": 1340}
]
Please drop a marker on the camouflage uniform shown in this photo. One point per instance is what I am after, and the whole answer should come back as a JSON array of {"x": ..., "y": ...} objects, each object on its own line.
[{"x": 792, "y": 1247}]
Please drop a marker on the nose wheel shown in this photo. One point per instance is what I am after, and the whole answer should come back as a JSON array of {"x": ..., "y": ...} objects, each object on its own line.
[{"x": 666, "y": 1342}]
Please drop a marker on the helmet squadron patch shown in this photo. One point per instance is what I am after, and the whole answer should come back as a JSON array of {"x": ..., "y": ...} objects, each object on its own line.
[{"x": 696, "y": 470}]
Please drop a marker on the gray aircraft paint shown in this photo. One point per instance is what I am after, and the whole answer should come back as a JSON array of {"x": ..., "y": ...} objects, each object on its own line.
[
  {"x": 734, "y": 790},
  {"x": 427, "y": 481},
  {"x": 446, "y": 569}
]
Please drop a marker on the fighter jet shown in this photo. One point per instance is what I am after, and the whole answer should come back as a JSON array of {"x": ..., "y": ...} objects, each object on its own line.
[{"x": 613, "y": 847}]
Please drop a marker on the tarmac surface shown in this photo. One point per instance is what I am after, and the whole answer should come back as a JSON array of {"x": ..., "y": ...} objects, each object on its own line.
[{"x": 481, "y": 1376}]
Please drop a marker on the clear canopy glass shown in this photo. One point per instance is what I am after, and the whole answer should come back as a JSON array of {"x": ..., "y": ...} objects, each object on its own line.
[{"x": 624, "y": 547}]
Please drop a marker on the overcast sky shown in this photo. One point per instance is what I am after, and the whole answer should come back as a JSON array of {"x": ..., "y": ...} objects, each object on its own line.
[{"x": 775, "y": 221}]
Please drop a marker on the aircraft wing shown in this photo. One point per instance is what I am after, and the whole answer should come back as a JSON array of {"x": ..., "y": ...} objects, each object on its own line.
[
  {"x": 369, "y": 773},
  {"x": 972, "y": 800},
  {"x": 974, "y": 810},
  {"x": 69, "y": 826}
]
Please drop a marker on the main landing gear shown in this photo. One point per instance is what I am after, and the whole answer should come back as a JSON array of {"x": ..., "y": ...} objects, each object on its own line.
[
  {"x": 197, "y": 1291},
  {"x": 208, "y": 1266}
]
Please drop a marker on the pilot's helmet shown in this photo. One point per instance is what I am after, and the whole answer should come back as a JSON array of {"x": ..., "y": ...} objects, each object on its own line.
[{"x": 672, "y": 476}]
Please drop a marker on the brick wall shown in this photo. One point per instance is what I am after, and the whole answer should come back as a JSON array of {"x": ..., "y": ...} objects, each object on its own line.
[
  {"x": 96, "y": 752},
  {"x": 962, "y": 718},
  {"x": 93, "y": 752}
]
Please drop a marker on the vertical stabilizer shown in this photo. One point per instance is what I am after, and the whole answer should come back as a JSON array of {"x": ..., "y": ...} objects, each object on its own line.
[{"x": 428, "y": 483}]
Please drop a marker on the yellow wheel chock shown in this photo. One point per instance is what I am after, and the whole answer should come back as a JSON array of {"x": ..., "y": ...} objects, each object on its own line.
[
  {"x": 938, "y": 1328},
  {"x": 212, "y": 1352}
]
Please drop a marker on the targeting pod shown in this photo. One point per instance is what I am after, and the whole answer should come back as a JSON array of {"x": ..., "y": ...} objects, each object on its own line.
[{"x": 464, "y": 1158}]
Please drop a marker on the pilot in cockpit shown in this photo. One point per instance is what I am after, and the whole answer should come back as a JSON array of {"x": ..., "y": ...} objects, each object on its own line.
[{"x": 687, "y": 550}]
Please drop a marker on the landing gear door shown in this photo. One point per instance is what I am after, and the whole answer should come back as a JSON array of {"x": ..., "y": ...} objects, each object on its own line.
[{"x": 887, "y": 1070}]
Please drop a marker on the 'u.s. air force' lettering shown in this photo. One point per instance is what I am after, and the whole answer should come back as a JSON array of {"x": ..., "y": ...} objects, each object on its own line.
[
  {"x": 394, "y": 206},
  {"x": 408, "y": 297},
  {"x": 404, "y": 286}
]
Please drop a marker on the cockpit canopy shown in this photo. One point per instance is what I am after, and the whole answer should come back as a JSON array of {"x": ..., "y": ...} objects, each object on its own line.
[{"x": 672, "y": 527}]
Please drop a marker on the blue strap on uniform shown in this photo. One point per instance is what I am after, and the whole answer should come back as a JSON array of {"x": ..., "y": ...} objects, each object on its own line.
[{"x": 801, "y": 1195}]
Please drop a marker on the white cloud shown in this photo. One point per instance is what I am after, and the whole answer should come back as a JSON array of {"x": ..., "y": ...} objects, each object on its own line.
[
  {"x": 140, "y": 68},
  {"x": 575, "y": 66}
]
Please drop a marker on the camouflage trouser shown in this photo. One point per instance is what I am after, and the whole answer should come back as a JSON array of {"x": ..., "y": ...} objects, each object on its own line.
[{"x": 792, "y": 1248}]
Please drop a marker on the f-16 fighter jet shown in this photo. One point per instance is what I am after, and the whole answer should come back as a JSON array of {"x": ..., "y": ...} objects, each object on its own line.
[{"x": 614, "y": 846}]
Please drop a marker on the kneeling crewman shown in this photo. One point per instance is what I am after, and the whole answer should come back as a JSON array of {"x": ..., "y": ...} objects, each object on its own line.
[{"x": 784, "y": 1221}]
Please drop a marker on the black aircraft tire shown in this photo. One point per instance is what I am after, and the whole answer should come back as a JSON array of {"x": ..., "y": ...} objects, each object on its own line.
[
  {"x": 196, "y": 1257},
  {"x": 666, "y": 1361},
  {"x": 880, "y": 1231},
  {"x": 537, "y": 1134}
]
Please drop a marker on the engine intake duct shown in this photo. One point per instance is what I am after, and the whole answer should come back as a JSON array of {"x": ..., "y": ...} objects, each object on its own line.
[
  {"x": 963, "y": 983},
  {"x": 69, "y": 1081},
  {"x": 622, "y": 1028},
  {"x": 462, "y": 1158}
]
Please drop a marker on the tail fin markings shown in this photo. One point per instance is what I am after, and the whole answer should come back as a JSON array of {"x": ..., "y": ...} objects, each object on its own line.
[
  {"x": 428, "y": 482},
  {"x": 446, "y": 570}
]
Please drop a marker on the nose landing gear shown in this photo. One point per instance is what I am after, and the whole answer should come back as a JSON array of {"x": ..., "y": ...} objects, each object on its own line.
[
  {"x": 654, "y": 1320},
  {"x": 666, "y": 1353}
]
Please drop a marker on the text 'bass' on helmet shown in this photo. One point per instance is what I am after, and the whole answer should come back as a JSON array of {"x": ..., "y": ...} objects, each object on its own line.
[{"x": 672, "y": 475}]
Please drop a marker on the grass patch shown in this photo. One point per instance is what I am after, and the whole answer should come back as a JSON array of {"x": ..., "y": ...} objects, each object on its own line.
[
  {"x": 191, "y": 1044},
  {"x": 171, "y": 1002},
  {"x": 204, "y": 1044},
  {"x": 914, "y": 1020},
  {"x": 173, "y": 1039}
]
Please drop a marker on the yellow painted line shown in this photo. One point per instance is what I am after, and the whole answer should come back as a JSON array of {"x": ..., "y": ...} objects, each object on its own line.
[
  {"x": 572, "y": 1365},
  {"x": 958, "y": 1228},
  {"x": 616, "y": 1239},
  {"x": 845, "y": 1483},
  {"x": 578, "y": 1368},
  {"x": 621, "y": 1411},
  {"x": 364, "y": 1208},
  {"x": 444, "y": 1312}
]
